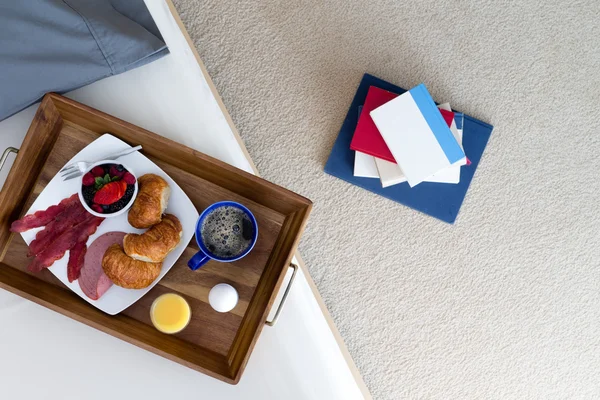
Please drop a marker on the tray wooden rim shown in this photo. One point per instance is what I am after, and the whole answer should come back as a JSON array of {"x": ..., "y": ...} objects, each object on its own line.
[{"x": 36, "y": 147}]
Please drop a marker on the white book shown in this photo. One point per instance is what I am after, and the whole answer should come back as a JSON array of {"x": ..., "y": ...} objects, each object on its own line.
[
  {"x": 452, "y": 173},
  {"x": 389, "y": 172},
  {"x": 364, "y": 165},
  {"x": 445, "y": 106},
  {"x": 417, "y": 135}
]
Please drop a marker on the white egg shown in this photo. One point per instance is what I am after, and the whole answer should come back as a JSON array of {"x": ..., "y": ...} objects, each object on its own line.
[{"x": 223, "y": 297}]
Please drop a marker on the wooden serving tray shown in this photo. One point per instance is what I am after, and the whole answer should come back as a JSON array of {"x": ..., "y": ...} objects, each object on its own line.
[{"x": 213, "y": 343}]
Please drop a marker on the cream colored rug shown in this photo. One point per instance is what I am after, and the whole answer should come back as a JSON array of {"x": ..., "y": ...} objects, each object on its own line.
[{"x": 505, "y": 304}]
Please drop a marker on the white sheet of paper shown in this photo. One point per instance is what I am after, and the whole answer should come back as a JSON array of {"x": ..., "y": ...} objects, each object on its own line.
[{"x": 364, "y": 165}]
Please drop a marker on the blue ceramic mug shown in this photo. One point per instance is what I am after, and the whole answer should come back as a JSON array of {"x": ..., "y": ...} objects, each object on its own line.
[{"x": 226, "y": 231}]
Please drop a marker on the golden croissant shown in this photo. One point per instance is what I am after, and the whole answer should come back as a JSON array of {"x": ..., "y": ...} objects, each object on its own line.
[
  {"x": 154, "y": 244},
  {"x": 126, "y": 272},
  {"x": 150, "y": 203}
]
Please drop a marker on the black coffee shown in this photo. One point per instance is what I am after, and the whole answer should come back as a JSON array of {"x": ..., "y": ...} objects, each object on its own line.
[{"x": 227, "y": 232}]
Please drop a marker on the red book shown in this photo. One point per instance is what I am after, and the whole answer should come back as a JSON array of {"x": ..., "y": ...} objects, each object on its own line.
[{"x": 367, "y": 138}]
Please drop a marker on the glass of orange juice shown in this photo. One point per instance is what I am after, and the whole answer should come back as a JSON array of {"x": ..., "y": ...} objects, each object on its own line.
[{"x": 170, "y": 313}]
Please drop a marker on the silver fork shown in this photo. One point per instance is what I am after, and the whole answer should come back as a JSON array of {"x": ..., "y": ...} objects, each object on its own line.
[{"x": 77, "y": 168}]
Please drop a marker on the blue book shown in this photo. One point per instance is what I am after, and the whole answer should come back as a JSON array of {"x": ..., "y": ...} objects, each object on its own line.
[{"x": 442, "y": 201}]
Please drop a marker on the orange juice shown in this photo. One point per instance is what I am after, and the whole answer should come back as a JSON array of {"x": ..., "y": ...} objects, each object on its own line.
[{"x": 170, "y": 313}]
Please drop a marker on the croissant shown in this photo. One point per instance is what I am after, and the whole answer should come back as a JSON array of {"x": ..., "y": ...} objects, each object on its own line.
[
  {"x": 154, "y": 244},
  {"x": 126, "y": 272},
  {"x": 150, "y": 203}
]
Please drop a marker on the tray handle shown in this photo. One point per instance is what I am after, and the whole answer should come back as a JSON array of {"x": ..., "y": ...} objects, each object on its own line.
[
  {"x": 7, "y": 151},
  {"x": 285, "y": 296}
]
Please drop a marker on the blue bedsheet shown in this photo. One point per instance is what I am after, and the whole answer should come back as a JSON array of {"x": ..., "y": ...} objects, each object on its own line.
[{"x": 60, "y": 45}]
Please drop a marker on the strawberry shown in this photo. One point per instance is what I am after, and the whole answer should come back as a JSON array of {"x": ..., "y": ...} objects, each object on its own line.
[
  {"x": 129, "y": 178},
  {"x": 110, "y": 193},
  {"x": 97, "y": 171},
  {"x": 88, "y": 179},
  {"x": 97, "y": 208}
]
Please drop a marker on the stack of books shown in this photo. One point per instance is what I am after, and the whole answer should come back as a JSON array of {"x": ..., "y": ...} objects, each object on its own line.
[
  {"x": 407, "y": 138},
  {"x": 401, "y": 145}
]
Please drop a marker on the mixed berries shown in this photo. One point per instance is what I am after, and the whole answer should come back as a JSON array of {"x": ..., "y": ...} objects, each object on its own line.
[{"x": 108, "y": 188}]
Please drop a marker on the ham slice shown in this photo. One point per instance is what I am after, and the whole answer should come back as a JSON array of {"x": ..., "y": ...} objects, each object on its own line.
[
  {"x": 93, "y": 282},
  {"x": 104, "y": 283},
  {"x": 65, "y": 241},
  {"x": 76, "y": 259},
  {"x": 71, "y": 216},
  {"x": 42, "y": 217}
]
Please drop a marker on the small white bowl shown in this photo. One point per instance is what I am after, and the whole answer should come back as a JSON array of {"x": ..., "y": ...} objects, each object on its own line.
[{"x": 124, "y": 209}]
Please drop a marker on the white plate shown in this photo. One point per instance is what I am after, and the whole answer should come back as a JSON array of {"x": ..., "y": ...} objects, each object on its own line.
[{"x": 116, "y": 299}]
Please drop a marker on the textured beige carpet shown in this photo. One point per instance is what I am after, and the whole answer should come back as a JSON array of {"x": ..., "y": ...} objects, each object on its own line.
[{"x": 505, "y": 304}]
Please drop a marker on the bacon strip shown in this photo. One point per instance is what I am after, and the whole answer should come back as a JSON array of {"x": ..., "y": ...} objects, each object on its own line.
[
  {"x": 67, "y": 240},
  {"x": 73, "y": 215},
  {"x": 76, "y": 258},
  {"x": 42, "y": 217}
]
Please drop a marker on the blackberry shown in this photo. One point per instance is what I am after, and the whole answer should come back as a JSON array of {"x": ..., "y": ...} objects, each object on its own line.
[
  {"x": 122, "y": 202},
  {"x": 129, "y": 192},
  {"x": 88, "y": 194},
  {"x": 120, "y": 168}
]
